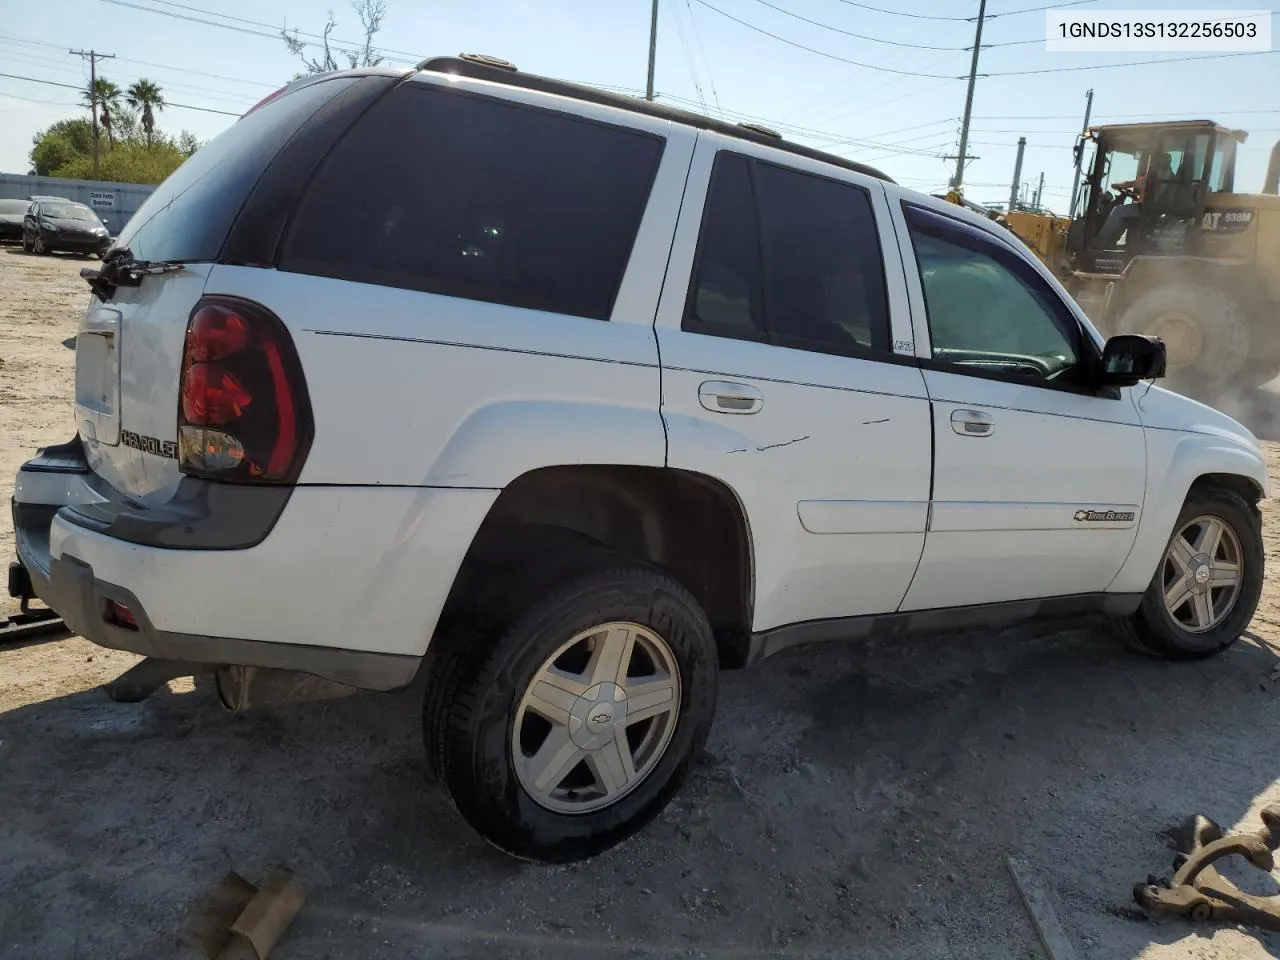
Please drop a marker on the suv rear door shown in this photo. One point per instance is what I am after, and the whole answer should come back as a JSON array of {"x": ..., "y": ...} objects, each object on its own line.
[
  {"x": 129, "y": 348},
  {"x": 788, "y": 374}
]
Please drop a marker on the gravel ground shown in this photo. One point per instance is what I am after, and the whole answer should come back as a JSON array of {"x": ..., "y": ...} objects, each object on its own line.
[{"x": 855, "y": 802}]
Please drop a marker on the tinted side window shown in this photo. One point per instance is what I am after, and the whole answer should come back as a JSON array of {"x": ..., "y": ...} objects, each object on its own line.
[
  {"x": 824, "y": 273},
  {"x": 471, "y": 197},
  {"x": 790, "y": 258},
  {"x": 188, "y": 216},
  {"x": 987, "y": 309},
  {"x": 726, "y": 297}
]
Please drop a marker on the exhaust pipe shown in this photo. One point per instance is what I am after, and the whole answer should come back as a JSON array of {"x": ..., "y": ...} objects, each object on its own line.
[{"x": 1272, "y": 182}]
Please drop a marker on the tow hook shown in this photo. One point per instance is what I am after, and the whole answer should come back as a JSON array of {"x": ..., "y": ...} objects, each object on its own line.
[{"x": 1199, "y": 892}]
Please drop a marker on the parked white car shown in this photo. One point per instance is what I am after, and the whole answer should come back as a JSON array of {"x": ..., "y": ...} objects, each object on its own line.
[{"x": 569, "y": 400}]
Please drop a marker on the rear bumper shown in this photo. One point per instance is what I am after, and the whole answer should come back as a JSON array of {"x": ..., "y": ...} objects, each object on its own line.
[{"x": 348, "y": 585}]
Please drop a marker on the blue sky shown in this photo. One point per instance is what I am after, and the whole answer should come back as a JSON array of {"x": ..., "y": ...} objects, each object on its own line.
[{"x": 900, "y": 121}]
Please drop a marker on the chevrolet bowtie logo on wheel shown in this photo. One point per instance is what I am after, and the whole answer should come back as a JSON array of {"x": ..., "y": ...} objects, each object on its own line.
[{"x": 1105, "y": 516}]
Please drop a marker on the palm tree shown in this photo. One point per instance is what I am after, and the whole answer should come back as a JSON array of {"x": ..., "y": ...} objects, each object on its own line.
[
  {"x": 146, "y": 97},
  {"x": 107, "y": 96}
]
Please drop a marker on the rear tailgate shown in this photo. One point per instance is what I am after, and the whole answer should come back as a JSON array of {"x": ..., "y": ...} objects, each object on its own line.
[
  {"x": 129, "y": 348},
  {"x": 128, "y": 351}
]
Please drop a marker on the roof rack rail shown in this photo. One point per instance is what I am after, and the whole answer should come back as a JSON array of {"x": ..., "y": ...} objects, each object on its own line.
[{"x": 496, "y": 70}]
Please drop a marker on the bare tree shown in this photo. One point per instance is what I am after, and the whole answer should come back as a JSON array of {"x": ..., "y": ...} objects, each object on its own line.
[{"x": 371, "y": 14}]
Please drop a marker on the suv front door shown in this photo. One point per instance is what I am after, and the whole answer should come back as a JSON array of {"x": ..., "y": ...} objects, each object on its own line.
[
  {"x": 788, "y": 374},
  {"x": 1038, "y": 477}
]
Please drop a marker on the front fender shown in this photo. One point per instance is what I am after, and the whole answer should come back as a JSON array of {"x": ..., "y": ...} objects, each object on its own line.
[
  {"x": 499, "y": 442},
  {"x": 1175, "y": 461}
]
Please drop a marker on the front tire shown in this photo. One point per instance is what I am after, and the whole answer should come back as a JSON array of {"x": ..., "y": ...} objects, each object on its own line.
[
  {"x": 38, "y": 247},
  {"x": 1207, "y": 585},
  {"x": 582, "y": 721}
]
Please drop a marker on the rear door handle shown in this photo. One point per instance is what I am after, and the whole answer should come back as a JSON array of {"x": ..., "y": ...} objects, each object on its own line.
[
  {"x": 721, "y": 396},
  {"x": 972, "y": 423}
]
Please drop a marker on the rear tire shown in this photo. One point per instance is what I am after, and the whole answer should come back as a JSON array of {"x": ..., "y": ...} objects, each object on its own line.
[
  {"x": 1167, "y": 626},
  {"x": 490, "y": 739},
  {"x": 1205, "y": 331}
]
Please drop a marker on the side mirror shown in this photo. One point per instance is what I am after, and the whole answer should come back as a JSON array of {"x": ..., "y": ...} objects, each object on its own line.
[{"x": 1130, "y": 358}]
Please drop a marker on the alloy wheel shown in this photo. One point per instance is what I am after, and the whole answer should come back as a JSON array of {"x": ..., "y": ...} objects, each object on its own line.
[
  {"x": 1203, "y": 573},
  {"x": 596, "y": 718}
]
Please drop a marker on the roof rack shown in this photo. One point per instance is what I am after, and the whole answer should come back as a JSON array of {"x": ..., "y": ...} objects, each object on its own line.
[{"x": 495, "y": 70}]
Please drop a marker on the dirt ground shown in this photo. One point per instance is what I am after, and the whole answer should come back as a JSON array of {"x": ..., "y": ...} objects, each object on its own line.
[{"x": 856, "y": 802}]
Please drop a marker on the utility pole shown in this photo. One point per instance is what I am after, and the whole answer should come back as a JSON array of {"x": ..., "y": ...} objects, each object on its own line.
[
  {"x": 653, "y": 50},
  {"x": 1075, "y": 184},
  {"x": 958, "y": 180},
  {"x": 1017, "y": 174},
  {"x": 93, "y": 57},
  {"x": 1039, "y": 193}
]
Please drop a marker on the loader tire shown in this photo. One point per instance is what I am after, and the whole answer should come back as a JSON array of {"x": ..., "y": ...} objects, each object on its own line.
[
  {"x": 1259, "y": 373},
  {"x": 1204, "y": 330}
]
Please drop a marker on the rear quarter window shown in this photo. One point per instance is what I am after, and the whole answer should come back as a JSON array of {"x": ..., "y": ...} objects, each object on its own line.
[
  {"x": 473, "y": 197},
  {"x": 188, "y": 216}
]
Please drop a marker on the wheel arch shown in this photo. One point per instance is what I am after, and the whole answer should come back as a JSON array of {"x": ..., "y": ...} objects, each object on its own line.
[
  {"x": 1177, "y": 463},
  {"x": 689, "y": 524}
]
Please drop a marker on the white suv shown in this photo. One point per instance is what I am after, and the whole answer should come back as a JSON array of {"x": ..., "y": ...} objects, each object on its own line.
[{"x": 569, "y": 400}]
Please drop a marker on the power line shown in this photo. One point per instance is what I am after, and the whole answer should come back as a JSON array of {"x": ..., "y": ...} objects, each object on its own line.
[
  {"x": 8, "y": 37},
  {"x": 317, "y": 39},
  {"x": 688, "y": 57},
  {"x": 927, "y": 16},
  {"x": 1131, "y": 63},
  {"x": 697, "y": 39},
  {"x": 801, "y": 46},
  {"x": 902, "y": 43},
  {"x": 1122, "y": 116},
  {"x": 850, "y": 33},
  {"x": 233, "y": 99},
  {"x": 72, "y": 86}
]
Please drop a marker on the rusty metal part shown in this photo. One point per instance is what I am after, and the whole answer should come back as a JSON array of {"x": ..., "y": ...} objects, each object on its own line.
[
  {"x": 20, "y": 627},
  {"x": 1199, "y": 892},
  {"x": 239, "y": 920}
]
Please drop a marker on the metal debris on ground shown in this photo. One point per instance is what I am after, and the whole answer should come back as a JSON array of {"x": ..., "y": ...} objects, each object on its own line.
[
  {"x": 28, "y": 624},
  {"x": 1199, "y": 892},
  {"x": 240, "y": 921}
]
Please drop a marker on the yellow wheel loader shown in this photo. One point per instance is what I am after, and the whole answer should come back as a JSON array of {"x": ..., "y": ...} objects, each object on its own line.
[{"x": 1164, "y": 245}]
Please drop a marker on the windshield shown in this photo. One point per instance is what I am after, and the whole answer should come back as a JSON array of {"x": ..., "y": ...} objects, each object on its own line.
[
  {"x": 67, "y": 211},
  {"x": 13, "y": 206}
]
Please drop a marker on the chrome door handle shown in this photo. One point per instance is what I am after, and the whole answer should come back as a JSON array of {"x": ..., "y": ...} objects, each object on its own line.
[
  {"x": 721, "y": 396},
  {"x": 972, "y": 423}
]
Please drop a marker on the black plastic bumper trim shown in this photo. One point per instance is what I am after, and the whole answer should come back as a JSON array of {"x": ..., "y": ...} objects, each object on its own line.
[{"x": 202, "y": 515}]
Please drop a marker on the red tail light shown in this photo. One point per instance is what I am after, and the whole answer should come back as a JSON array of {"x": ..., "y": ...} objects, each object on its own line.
[
  {"x": 120, "y": 615},
  {"x": 243, "y": 410}
]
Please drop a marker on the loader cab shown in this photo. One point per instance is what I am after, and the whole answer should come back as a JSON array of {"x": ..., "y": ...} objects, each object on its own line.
[{"x": 1146, "y": 190}]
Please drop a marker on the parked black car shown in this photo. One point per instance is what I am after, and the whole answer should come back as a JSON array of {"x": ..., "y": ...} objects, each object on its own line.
[
  {"x": 51, "y": 225},
  {"x": 11, "y": 213}
]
